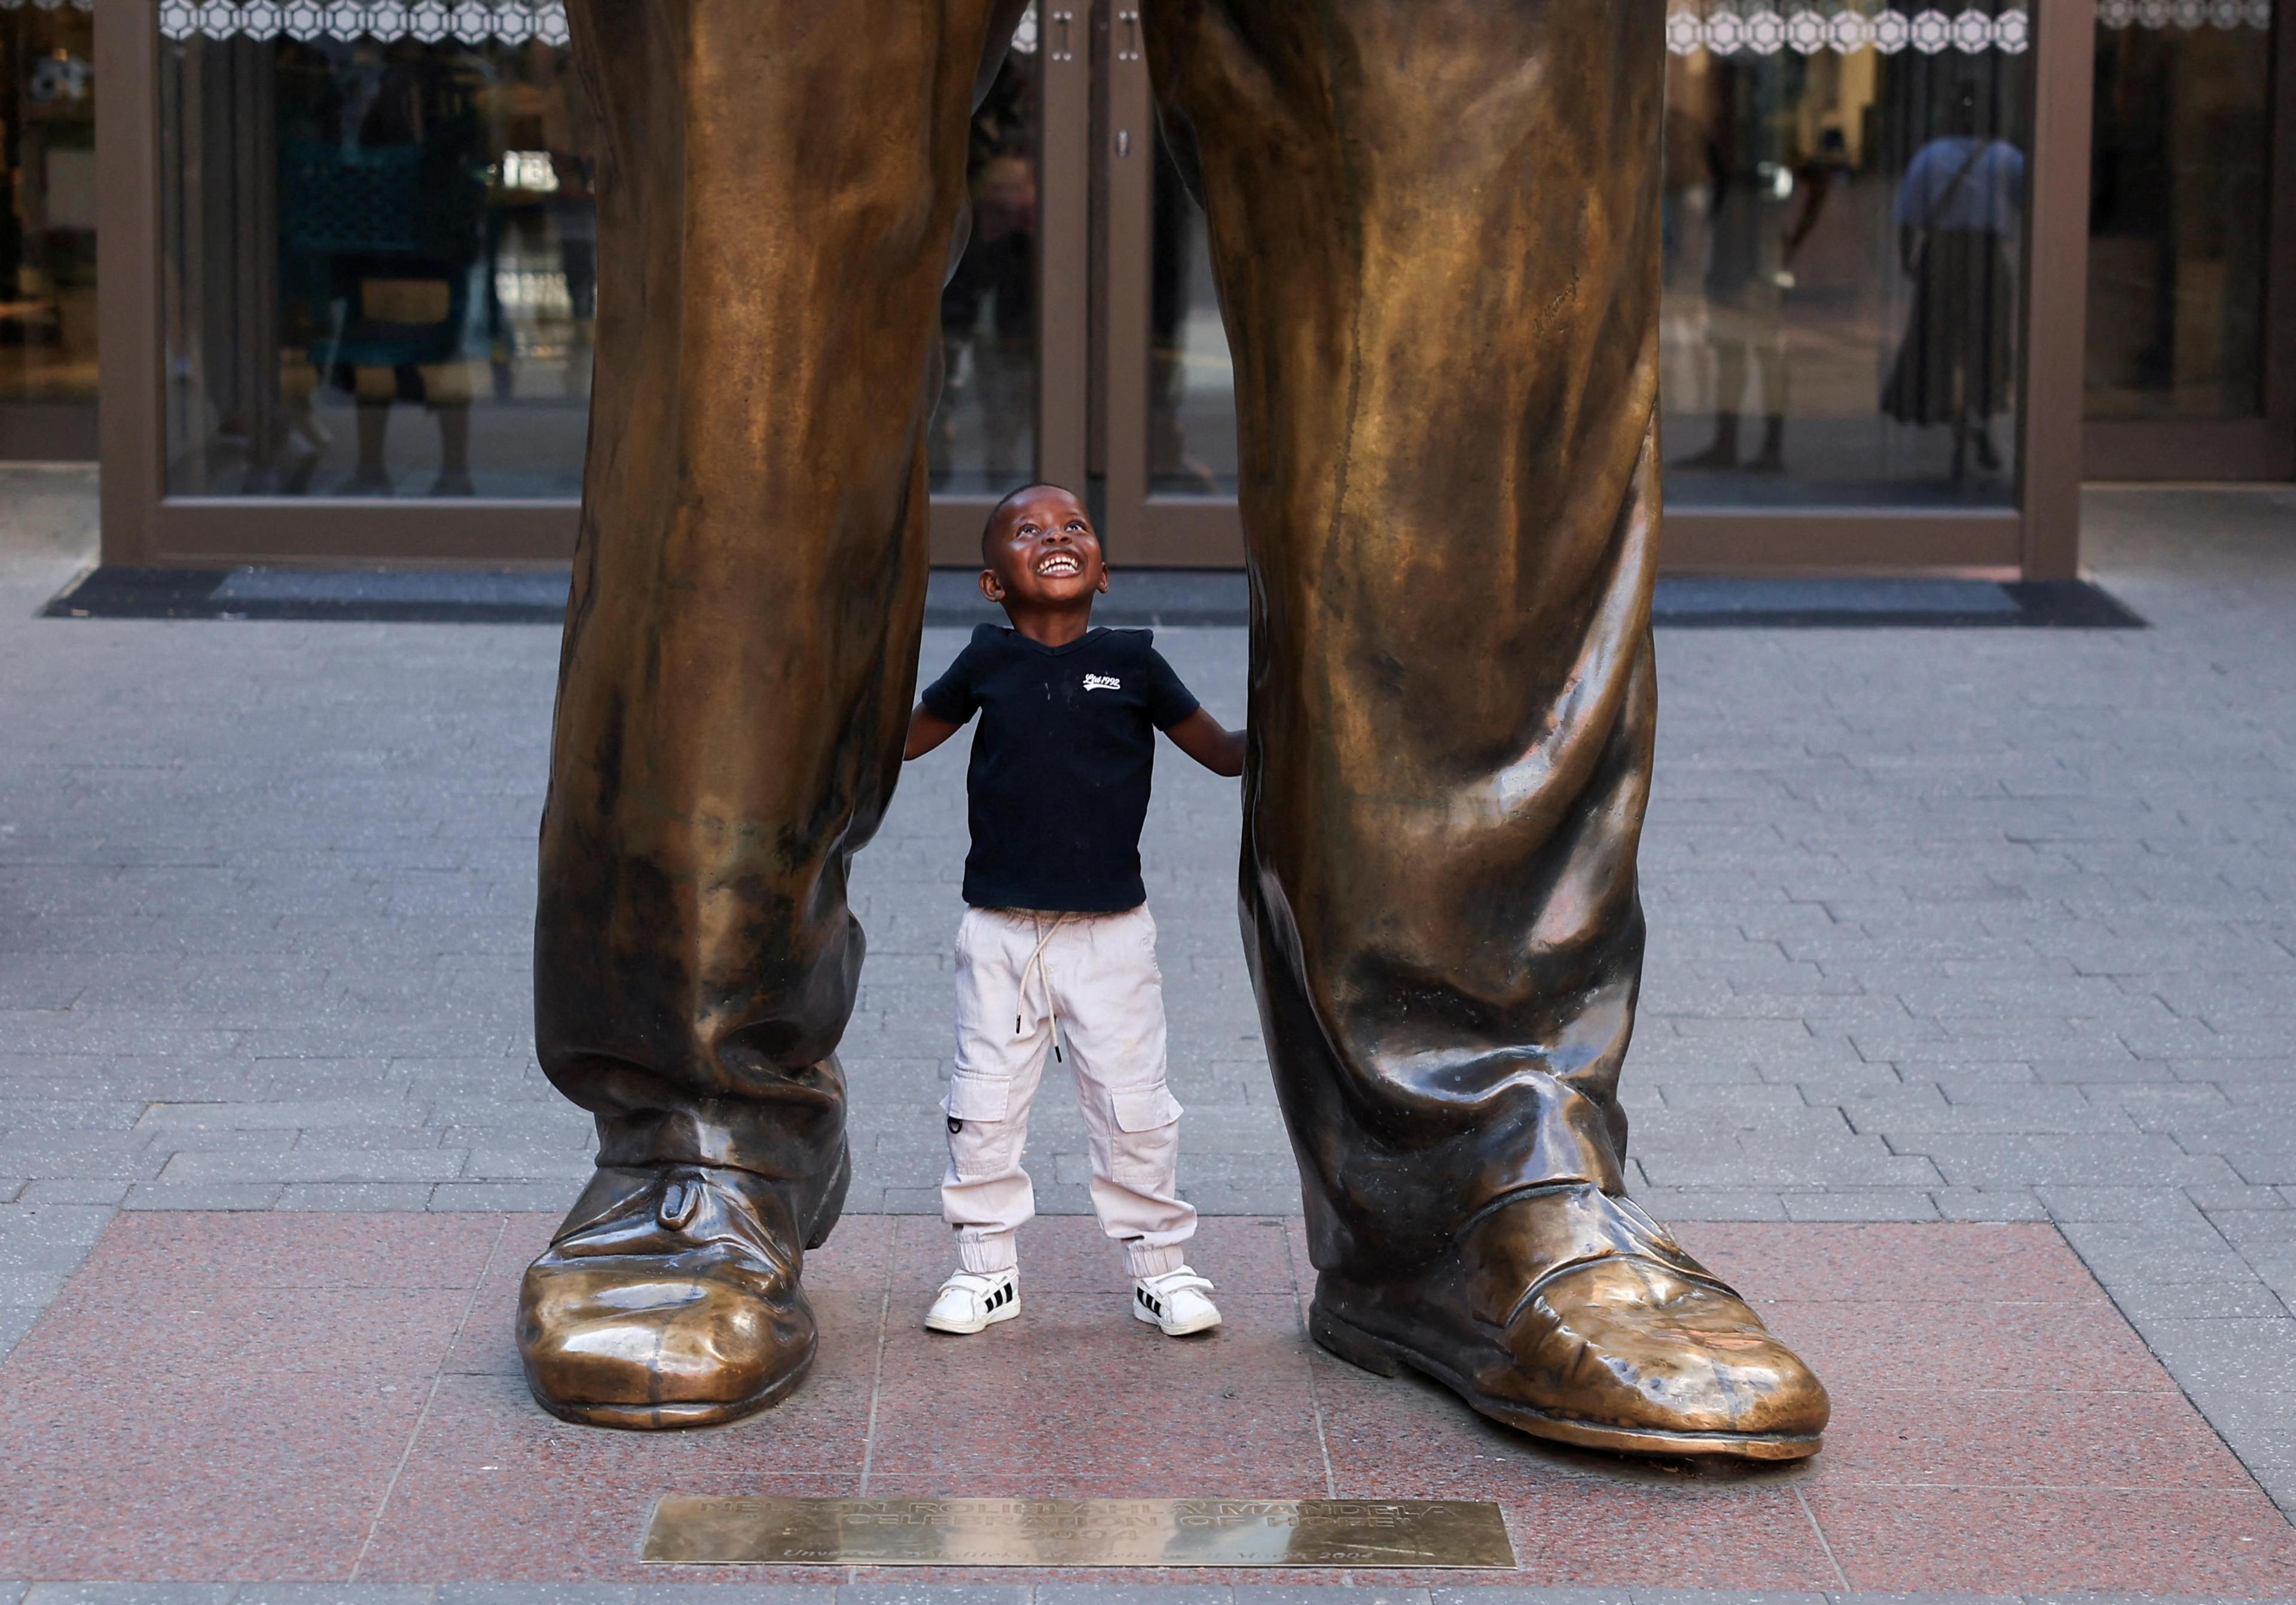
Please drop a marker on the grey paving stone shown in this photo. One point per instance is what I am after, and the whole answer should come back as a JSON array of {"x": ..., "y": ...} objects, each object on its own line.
[
  {"x": 356, "y": 1196},
  {"x": 334, "y": 1593},
  {"x": 72, "y": 1191},
  {"x": 535, "y": 1593},
  {"x": 1989, "y": 1204},
  {"x": 1853, "y": 1204},
  {"x": 923, "y": 1594},
  {"x": 1264, "y": 1593},
  {"x": 191, "y": 1195},
  {"x": 127, "y": 1593},
  {"x": 1139, "y": 1594},
  {"x": 514, "y": 1198},
  {"x": 735, "y": 1594}
]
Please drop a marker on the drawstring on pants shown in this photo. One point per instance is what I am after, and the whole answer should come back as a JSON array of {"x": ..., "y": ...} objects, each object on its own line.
[{"x": 1035, "y": 967}]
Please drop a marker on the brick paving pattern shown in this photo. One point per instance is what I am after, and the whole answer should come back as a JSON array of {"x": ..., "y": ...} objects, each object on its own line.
[{"x": 1948, "y": 926}]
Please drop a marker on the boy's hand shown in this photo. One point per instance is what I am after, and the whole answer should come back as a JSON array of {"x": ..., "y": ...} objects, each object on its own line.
[
  {"x": 927, "y": 730},
  {"x": 1203, "y": 738}
]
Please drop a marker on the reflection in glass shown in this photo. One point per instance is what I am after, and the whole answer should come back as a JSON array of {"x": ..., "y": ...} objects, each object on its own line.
[
  {"x": 48, "y": 227},
  {"x": 984, "y": 433},
  {"x": 1843, "y": 231},
  {"x": 1191, "y": 448},
  {"x": 2178, "y": 199},
  {"x": 381, "y": 265}
]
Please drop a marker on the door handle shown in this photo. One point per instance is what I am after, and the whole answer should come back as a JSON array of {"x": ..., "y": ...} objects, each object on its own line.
[
  {"x": 1062, "y": 49},
  {"x": 1129, "y": 49}
]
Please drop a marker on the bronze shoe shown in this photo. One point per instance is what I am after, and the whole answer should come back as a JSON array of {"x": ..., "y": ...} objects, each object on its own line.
[
  {"x": 668, "y": 1299},
  {"x": 1572, "y": 1315}
]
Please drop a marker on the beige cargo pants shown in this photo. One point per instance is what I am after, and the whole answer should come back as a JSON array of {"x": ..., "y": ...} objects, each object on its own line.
[{"x": 1026, "y": 982}]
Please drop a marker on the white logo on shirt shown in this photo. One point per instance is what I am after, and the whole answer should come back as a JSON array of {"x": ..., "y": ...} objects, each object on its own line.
[{"x": 1103, "y": 683}]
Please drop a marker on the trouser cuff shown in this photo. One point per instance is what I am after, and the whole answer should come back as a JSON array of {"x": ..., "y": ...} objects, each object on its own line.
[
  {"x": 1145, "y": 1261},
  {"x": 987, "y": 1256}
]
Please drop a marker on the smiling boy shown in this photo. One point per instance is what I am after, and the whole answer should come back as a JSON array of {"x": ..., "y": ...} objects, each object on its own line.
[{"x": 1057, "y": 946}]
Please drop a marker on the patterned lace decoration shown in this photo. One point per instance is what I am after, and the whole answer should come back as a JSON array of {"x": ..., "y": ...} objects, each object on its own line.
[
  {"x": 1760, "y": 28},
  {"x": 2190, "y": 15},
  {"x": 469, "y": 21},
  {"x": 1722, "y": 27},
  {"x": 466, "y": 21}
]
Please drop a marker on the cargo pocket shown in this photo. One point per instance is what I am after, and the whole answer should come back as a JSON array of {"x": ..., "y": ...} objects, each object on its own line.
[
  {"x": 1143, "y": 1150},
  {"x": 978, "y": 1097},
  {"x": 980, "y": 1140},
  {"x": 1143, "y": 1108}
]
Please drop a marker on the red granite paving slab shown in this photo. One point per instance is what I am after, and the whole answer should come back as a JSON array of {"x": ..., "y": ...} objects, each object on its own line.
[
  {"x": 2012, "y": 1438},
  {"x": 857, "y": 1257},
  {"x": 1076, "y": 1387},
  {"x": 239, "y": 1332},
  {"x": 1770, "y": 1261},
  {"x": 496, "y": 1489},
  {"x": 488, "y": 1340},
  {"x": 218, "y": 1476},
  {"x": 1069, "y": 1254},
  {"x": 1736, "y": 1535},
  {"x": 1997, "y": 1426},
  {"x": 291, "y": 1250},
  {"x": 2084, "y": 1347},
  {"x": 2006, "y": 1540},
  {"x": 227, "y": 1394}
]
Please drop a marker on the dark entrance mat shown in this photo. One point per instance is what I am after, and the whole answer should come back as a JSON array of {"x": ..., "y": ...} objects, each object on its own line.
[{"x": 1171, "y": 598}]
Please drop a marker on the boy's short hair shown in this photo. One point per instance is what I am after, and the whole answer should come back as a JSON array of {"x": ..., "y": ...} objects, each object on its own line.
[{"x": 989, "y": 528}]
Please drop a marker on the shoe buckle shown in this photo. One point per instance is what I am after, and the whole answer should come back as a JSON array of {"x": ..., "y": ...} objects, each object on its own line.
[{"x": 679, "y": 1202}]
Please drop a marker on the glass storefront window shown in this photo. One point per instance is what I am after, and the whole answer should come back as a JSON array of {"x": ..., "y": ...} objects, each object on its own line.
[
  {"x": 1844, "y": 232},
  {"x": 2179, "y": 195},
  {"x": 1191, "y": 445},
  {"x": 47, "y": 228},
  {"x": 381, "y": 265},
  {"x": 1845, "y": 200},
  {"x": 984, "y": 433}
]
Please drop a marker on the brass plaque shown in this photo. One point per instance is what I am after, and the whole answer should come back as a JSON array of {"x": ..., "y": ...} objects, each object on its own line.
[{"x": 1445, "y": 1534}]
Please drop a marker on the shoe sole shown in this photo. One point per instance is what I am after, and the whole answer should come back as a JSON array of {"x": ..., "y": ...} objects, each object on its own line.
[
  {"x": 1172, "y": 1331},
  {"x": 1379, "y": 1355},
  {"x": 672, "y": 1417},
  {"x": 1007, "y": 1313}
]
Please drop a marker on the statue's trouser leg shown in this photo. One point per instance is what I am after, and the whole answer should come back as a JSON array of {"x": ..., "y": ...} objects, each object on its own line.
[
  {"x": 1435, "y": 230},
  {"x": 781, "y": 194}
]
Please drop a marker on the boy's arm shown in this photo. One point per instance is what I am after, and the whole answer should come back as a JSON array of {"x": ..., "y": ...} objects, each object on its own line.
[
  {"x": 1203, "y": 738},
  {"x": 927, "y": 730}
]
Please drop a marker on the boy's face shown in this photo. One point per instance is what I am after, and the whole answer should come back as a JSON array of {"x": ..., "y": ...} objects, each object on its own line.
[{"x": 1043, "y": 553}]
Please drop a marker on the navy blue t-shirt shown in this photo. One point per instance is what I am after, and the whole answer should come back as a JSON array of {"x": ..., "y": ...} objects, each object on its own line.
[{"x": 1058, "y": 789}]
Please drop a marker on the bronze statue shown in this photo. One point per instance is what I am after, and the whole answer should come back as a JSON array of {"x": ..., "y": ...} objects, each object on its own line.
[{"x": 1435, "y": 230}]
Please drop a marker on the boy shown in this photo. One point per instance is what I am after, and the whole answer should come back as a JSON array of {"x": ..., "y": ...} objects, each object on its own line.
[{"x": 1057, "y": 946}]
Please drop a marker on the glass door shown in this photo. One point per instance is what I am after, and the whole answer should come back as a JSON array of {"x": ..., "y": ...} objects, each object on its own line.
[
  {"x": 2188, "y": 351},
  {"x": 1845, "y": 241},
  {"x": 47, "y": 232},
  {"x": 1014, "y": 321},
  {"x": 1168, "y": 445}
]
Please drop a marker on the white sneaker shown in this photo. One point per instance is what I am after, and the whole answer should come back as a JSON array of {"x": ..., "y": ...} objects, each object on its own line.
[
  {"x": 971, "y": 1302},
  {"x": 1175, "y": 1303}
]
